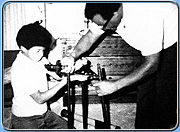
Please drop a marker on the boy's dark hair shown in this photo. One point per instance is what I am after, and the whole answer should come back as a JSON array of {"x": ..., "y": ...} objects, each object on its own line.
[
  {"x": 34, "y": 34},
  {"x": 106, "y": 10}
]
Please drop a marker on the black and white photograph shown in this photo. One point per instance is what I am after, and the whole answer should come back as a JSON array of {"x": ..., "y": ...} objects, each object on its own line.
[{"x": 90, "y": 65}]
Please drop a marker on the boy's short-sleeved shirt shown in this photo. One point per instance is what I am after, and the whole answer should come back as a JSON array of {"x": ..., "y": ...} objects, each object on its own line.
[
  {"x": 149, "y": 27},
  {"x": 27, "y": 77}
]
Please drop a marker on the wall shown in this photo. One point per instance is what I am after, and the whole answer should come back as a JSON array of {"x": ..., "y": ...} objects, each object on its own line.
[
  {"x": 59, "y": 18},
  {"x": 65, "y": 18}
]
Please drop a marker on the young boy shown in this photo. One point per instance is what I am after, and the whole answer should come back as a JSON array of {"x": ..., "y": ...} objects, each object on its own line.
[{"x": 29, "y": 82}]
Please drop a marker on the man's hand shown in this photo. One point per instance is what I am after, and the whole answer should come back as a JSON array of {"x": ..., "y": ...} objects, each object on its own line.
[
  {"x": 68, "y": 63},
  {"x": 71, "y": 66},
  {"x": 105, "y": 88},
  {"x": 79, "y": 63}
]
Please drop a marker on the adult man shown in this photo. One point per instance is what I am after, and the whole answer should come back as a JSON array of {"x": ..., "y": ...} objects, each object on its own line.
[{"x": 151, "y": 28}]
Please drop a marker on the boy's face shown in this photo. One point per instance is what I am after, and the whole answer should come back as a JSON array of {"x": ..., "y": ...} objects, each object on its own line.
[{"x": 35, "y": 53}]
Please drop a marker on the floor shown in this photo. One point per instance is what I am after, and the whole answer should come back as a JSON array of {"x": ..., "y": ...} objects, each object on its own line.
[{"x": 122, "y": 114}]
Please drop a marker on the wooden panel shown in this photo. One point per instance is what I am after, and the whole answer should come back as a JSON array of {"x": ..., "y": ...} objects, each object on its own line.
[
  {"x": 9, "y": 57},
  {"x": 116, "y": 65},
  {"x": 114, "y": 46}
]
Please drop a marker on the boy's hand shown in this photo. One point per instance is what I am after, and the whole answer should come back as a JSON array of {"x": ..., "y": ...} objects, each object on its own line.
[{"x": 78, "y": 77}]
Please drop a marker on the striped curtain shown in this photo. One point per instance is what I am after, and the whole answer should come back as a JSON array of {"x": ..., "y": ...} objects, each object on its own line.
[{"x": 15, "y": 15}]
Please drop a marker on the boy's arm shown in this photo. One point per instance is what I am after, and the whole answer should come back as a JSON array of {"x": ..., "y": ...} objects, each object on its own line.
[
  {"x": 54, "y": 75},
  {"x": 42, "y": 97}
]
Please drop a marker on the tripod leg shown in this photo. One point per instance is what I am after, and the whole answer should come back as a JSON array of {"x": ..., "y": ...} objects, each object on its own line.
[
  {"x": 104, "y": 101},
  {"x": 85, "y": 104},
  {"x": 106, "y": 114},
  {"x": 70, "y": 119}
]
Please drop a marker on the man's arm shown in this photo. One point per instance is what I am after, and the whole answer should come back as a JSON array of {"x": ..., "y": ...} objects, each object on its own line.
[
  {"x": 85, "y": 43},
  {"x": 149, "y": 66}
]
